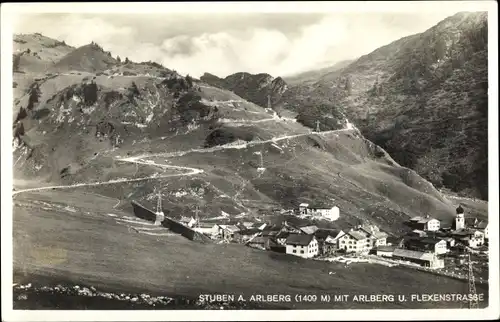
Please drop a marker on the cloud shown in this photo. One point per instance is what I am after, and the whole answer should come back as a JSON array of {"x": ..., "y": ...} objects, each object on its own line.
[{"x": 278, "y": 45}]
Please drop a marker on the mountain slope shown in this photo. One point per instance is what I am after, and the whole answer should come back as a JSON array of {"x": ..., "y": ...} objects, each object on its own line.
[
  {"x": 36, "y": 53},
  {"x": 148, "y": 128},
  {"x": 88, "y": 58},
  {"x": 261, "y": 89},
  {"x": 423, "y": 98},
  {"x": 314, "y": 75}
]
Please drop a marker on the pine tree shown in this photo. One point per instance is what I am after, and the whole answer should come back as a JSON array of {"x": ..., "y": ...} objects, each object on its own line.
[
  {"x": 118, "y": 59},
  {"x": 189, "y": 81}
]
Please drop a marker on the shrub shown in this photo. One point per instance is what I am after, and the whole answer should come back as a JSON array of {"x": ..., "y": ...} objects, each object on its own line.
[
  {"x": 34, "y": 95},
  {"x": 90, "y": 93}
]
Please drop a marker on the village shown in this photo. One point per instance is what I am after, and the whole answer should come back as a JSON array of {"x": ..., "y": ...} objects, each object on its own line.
[{"x": 428, "y": 242}]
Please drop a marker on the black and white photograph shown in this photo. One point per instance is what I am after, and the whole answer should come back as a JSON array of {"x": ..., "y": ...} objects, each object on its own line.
[{"x": 250, "y": 160}]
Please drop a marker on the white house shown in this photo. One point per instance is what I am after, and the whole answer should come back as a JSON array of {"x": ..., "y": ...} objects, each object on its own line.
[
  {"x": 328, "y": 240},
  {"x": 227, "y": 231},
  {"x": 429, "y": 245},
  {"x": 377, "y": 237},
  {"x": 483, "y": 226},
  {"x": 354, "y": 242},
  {"x": 422, "y": 258},
  {"x": 328, "y": 213},
  {"x": 385, "y": 251},
  {"x": 305, "y": 246},
  {"x": 425, "y": 223},
  {"x": 477, "y": 224},
  {"x": 470, "y": 237}
]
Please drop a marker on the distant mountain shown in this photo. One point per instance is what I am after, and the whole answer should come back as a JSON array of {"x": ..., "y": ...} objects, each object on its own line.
[
  {"x": 35, "y": 53},
  {"x": 254, "y": 88},
  {"x": 424, "y": 98},
  {"x": 88, "y": 58},
  {"x": 314, "y": 75}
]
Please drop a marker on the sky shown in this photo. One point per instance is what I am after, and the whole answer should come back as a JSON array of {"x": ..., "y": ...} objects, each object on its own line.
[{"x": 280, "y": 44}]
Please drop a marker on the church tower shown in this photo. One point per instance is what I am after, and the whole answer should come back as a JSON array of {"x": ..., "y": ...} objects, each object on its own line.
[{"x": 460, "y": 218}]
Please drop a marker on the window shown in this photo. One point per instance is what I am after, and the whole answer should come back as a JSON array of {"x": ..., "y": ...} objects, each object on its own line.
[
  {"x": 294, "y": 251},
  {"x": 302, "y": 252}
]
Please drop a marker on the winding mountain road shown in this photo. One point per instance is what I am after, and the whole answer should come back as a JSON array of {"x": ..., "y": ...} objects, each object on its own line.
[{"x": 188, "y": 171}]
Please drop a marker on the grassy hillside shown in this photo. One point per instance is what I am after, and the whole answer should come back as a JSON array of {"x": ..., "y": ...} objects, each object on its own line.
[{"x": 85, "y": 246}]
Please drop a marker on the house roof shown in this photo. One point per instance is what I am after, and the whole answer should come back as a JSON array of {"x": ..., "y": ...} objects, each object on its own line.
[
  {"x": 231, "y": 228},
  {"x": 386, "y": 248},
  {"x": 270, "y": 233},
  {"x": 424, "y": 243},
  {"x": 431, "y": 241},
  {"x": 463, "y": 232},
  {"x": 320, "y": 206},
  {"x": 205, "y": 225},
  {"x": 258, "y": 225},
  {"x": 323, "y": 233},
  {"x": 373, "y": 230},
  {"x": 258, "y": 240},
  {"x": 296, "y": 239},
  {"x": 283, "y": 234},
  {"x": 317, "y": 205},
  {"x": 273, "y": 227},
  {"x": 413, "y": 254},
  {"x": 426, "y": 220},
  {"x": 186, "y": 219},
  {"x": 309, "y": 229},
  {"x": 417, "y": 218},
  {"x": 250, "y": 231},
  {"x": 357, "y": 235}
]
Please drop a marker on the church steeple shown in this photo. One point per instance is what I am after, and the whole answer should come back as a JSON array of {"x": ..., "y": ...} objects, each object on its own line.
[{"x": 459, "y": 218}]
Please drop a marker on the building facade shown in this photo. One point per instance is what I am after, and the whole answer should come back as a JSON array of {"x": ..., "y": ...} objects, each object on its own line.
[
  {"x": 425, "y": 223},
  {"x": 354, "y": 242},
  {"x": 305, "y": 246},
  {"x": 424, "y": 259},
  {"x": 329, "y": 213}
]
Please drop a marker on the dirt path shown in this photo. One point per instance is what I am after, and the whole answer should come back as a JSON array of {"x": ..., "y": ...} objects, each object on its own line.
[{"x": 142, "y": 159}]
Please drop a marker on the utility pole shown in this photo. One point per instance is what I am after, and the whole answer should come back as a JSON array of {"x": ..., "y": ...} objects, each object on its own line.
[
  {"x": 473, "y": 302},
  {"x": 261, "y": 158},
  {"x": 317, "y": 126},
  {"x": 197, "y": 218},
  {"x": 158, "y": 204}
]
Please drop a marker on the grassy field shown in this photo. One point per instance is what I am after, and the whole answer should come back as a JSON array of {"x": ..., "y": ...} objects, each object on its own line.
[{"x": 88, "y": 247}]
